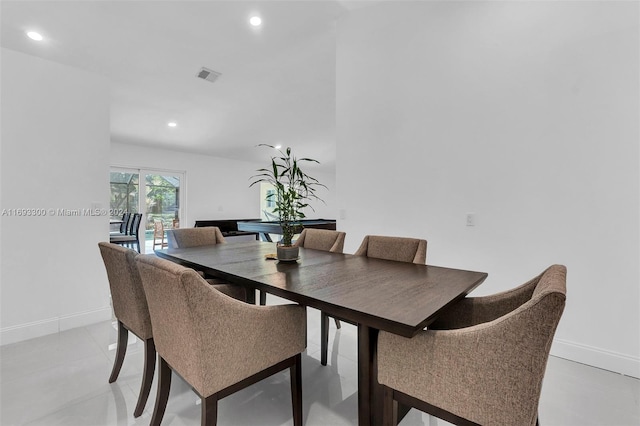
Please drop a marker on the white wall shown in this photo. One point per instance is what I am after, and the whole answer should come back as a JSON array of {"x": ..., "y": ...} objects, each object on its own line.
[
  {"x": 524, "y": 113},
  {"x": 217, "y": 188},
  {"x": 55, "y": 146},
  {"x": 56, "y": 153}
]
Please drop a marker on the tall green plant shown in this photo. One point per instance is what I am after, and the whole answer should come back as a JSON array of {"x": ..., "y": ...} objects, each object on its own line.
[{"x": 294, "y": 189}]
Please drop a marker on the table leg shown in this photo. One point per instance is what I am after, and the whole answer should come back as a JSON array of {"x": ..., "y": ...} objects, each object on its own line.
[
  {"x": 369, "y": 397},
  {"x": 324, "y": 337},
  {"x": 266, "y": 237},
  {"x": 251, "y": 295}
]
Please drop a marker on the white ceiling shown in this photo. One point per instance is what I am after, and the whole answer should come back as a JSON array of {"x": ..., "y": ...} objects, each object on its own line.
[{"x": 277, "y": 83}]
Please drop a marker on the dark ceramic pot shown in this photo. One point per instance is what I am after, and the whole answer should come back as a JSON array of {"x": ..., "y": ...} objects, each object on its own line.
[{"x": 287, "y": 253}]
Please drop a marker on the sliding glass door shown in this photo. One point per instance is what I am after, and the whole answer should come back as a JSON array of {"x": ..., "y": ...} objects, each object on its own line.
[
  {"x": 124, "y": 192},
  {"x": 158, "y": 194}
]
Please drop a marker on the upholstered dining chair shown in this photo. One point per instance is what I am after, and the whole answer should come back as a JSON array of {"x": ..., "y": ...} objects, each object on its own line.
[
  {"x": 482, "y": 361},
  {"x": 194, "y": 237},
  {"x": 215, "y": 343},
  {"x": 130, "y": 308},
  {"x": 400, "y": 249},
  {"x": 205, "y": 236},
  {"x": 321, "y": 239}
]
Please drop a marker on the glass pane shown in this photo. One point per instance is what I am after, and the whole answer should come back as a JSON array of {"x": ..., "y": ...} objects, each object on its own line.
[
  {"x": 124, "y": 193},
  {"x": 162, "y": 200}
]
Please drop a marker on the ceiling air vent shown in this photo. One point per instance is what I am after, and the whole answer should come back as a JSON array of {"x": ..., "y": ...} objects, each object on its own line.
[{"x": 207, "y": 74}]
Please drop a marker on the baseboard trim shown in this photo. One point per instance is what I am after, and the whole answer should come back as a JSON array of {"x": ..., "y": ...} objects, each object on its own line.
[
  {"x": 41, "y": 328},
  {"x": 596, "y": 357},
  {"x": 85, "y": 318},
  {"x": 589, "y": 355},
  {"x": 28, "y": 331}
]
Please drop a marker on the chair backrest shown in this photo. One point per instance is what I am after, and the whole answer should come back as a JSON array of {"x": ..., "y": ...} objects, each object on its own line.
[
  {"x": 321, "y": 239},
  {"x": 394, "y": 248},
  {"x": 134, "y": 227},
  {"x": 125, "y": 222},
  {"x": 130, "y": 223},
  {"x": 489, "y": 372},
  {"x": 194, "y": 237},
  {"x": 175, "y": 295},
  {"x": 158, "y": 234},
  {"x": 127, "y": 293},
  {"x": 553, "y": 280},
  {"x": 158, "y": 228},
  {"x": 523, "y": 337}
]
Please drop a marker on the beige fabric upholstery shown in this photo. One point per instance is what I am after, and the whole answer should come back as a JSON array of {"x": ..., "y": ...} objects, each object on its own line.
[
  {"x": 487, "y": 361},
  {"x": 205, "y": 236},
  {"x": 394, "y": 248},
  {"x": 127, "y": 293},
  {"x": 132, "y": 312},
  {"x": 321, "y": 239},
  {"x": 194, "y": 237},
  {"x": 212, "y": 340}
]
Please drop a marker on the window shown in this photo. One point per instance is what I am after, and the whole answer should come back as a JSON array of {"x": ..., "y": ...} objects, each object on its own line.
[{"x": 158, "y": 194}]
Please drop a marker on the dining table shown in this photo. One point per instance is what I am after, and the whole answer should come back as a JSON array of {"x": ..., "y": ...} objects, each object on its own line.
[{"x": 374, "y": 294}]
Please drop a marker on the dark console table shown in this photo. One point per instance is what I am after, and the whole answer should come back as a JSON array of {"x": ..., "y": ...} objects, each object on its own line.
[
  {"x": 273, "y": 227},
  {"x": 229, "y": 227}
]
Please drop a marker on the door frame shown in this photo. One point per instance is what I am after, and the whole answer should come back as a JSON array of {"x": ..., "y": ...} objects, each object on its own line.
[{"x": 142, "y": 196}]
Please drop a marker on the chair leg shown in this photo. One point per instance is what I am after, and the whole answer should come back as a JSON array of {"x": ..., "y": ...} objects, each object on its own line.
[
  {"x": 338, "y": 325},
  {"x": 296, "y": 390},
  {"x": 324, "y": 337},
  {"x": 164, "y": 385},
  {"x": 147, "y": 376},
  {"x": 121, "y": 350},
  {"x": 209, "y": 410}
]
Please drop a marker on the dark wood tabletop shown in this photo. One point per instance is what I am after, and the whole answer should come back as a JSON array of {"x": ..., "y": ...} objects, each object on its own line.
[{"x": 374, "y": 294}]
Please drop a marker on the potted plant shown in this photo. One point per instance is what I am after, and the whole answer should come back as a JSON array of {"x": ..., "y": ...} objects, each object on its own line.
[{"x": 293, "y": 190}]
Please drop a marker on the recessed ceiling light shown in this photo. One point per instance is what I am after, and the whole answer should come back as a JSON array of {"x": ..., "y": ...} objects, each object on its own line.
[
  {"x": 172, "y": 124},
  {"x": 256, "y": 21},
  {"x": 35, "y": 36}
]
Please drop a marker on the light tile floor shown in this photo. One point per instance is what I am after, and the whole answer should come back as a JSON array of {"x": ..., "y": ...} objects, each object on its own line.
[{"x": 61, "y": 379}]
